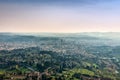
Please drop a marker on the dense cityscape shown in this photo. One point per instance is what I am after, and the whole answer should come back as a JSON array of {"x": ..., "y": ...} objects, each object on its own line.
[{"x": 82, "y": 56}]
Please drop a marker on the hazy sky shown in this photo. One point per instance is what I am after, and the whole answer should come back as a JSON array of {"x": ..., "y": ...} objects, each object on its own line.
[{"x": 60, "y": 16}]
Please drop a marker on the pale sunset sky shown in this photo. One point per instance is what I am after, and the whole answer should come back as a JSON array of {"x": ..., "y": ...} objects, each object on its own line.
[{"x": 67, "y": 16}]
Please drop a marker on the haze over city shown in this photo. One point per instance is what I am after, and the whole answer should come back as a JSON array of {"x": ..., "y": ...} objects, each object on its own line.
[{"x": 59, "y": 39}]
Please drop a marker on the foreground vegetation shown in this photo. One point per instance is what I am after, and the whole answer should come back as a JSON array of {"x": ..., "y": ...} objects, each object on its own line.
[
  {"x": 58, "y": 58},
  {"x": 52, "y": 65}
]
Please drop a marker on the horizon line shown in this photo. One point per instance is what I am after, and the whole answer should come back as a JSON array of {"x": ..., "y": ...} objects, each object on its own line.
[{"x": 64, "y": 32}]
